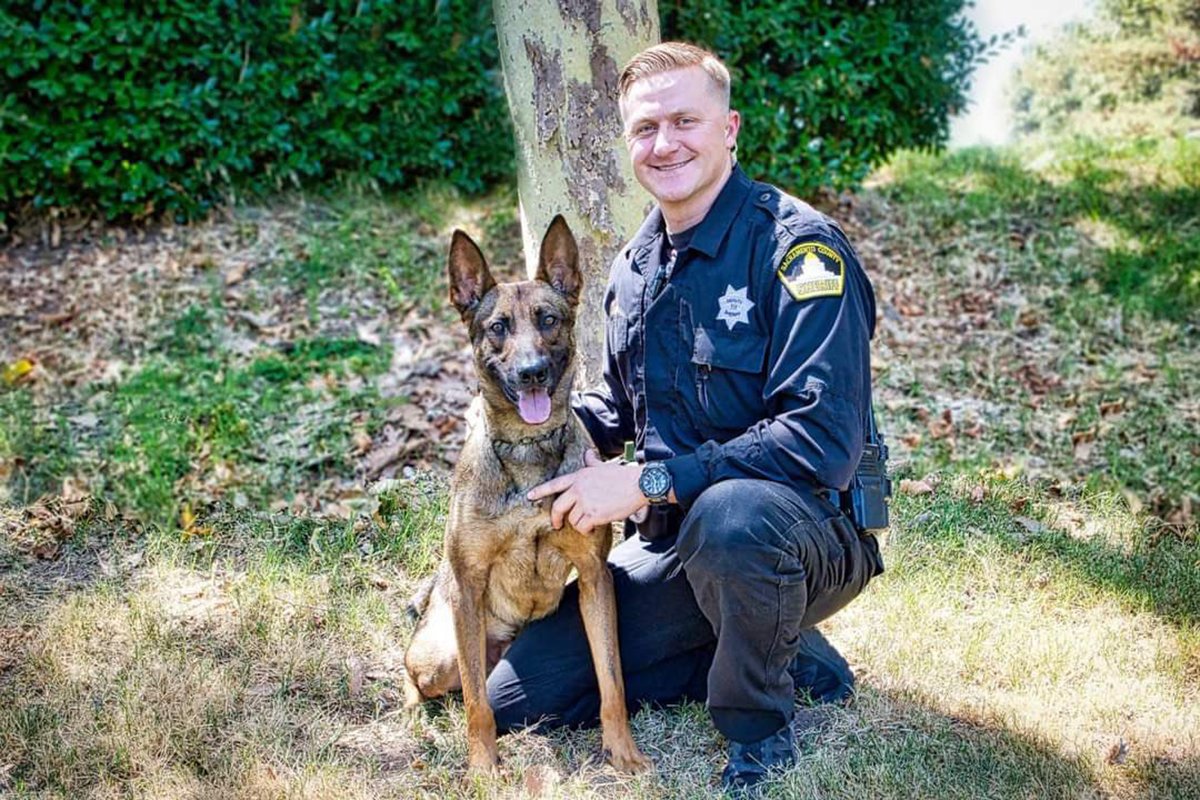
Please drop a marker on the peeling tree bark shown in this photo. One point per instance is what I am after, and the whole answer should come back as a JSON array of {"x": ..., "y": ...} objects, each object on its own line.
[{"x": 561, "y": 60}]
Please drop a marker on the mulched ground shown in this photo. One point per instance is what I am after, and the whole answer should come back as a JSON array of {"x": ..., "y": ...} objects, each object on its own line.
[{"x": 952, "y": 320}]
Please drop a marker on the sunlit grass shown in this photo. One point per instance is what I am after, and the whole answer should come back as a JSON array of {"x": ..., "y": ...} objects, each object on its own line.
[
  {"x": 993, "y": 661},
  {"x": 1036, "y": 634}
]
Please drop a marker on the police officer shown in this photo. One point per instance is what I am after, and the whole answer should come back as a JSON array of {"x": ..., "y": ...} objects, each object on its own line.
[{"x": 736, "y": 358}]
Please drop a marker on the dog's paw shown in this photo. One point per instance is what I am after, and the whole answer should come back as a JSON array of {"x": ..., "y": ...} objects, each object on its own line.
[
  {"x": 483, "y": 763},
  {"x": 412, "y": 696},
  {"x": 628, "y": 758}
]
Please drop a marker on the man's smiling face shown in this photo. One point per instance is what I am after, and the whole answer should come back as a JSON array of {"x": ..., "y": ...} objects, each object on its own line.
[{"x": 679, "y": 132}]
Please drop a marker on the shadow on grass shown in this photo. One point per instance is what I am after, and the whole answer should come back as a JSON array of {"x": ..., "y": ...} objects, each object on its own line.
[
  {"x": 1149, "y": 264},
  {"x": 886, "y": 745},
  {"x": 1154, "y": 575},
  {"x": 898, "y": 744},
  {"x": 1157, "y": 574}
]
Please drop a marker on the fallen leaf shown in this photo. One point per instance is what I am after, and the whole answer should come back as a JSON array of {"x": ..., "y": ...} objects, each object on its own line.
[
  {"x": 361, "y": 441},
  {"x": 383, "y": 457},
  {"x": 235, "y": 275},
  {"x": 915, "y": 487},
  {"x": 540, "y": 779},
  {"x": 942, "y": 427},
  {"x": 445, "y": 424},
  {"x": 367, "y": 336},
  {"x": 59, "y": 318},
  {"x": 187, "y": 524},
  {"x": 909, "y": 305},
  {"x": 45, "y": 550},
  {"x": 977, "y": 494},
  {"x": 17, "y": 371},
  {"x": 411, "y": 417}
]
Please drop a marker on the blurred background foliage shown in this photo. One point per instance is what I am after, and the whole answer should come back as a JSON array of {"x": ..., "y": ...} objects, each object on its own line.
[
  {"x": 143, "y": 110},
  {"x": 829, "y": 90},
  {"x": 135, "y": 110},
  {"x": 1132, "y": 71},
  {"x": 128, "y": 110}
]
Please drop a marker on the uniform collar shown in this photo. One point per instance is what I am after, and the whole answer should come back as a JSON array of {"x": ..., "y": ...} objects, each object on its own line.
[
  {"x": 646, "y": 240},
  {"x": 710, "y": 231}
]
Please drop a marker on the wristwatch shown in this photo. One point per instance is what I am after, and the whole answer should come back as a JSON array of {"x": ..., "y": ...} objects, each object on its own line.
[{"x": 655, "y": 482}]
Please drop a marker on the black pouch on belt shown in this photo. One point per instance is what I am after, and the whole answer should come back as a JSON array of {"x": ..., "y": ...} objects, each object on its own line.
[{"x": 661, "y": 522}]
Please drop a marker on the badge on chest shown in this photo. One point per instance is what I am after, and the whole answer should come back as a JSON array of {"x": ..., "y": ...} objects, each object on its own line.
[{"x": 735, "y": 306}]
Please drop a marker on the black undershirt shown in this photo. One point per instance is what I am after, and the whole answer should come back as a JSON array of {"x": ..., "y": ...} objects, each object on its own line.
[{"x": 672, "y": 244}]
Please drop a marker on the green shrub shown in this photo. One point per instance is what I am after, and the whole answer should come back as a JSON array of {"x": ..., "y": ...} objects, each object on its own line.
[
  {"x": 828, "y": 91},
  {"x": 143, "y": 108},
  {"x": 149, "y": 108},
  {"x": 1134, "y": 71}
]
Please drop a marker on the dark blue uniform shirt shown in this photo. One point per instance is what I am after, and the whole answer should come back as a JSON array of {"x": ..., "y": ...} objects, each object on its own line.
[{"x": 753, "y": 359}]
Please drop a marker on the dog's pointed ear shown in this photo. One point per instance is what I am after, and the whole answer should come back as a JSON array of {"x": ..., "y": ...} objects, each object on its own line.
[
  {"x": 558, "y": 264},
  {"x": 470, "y": 279}
]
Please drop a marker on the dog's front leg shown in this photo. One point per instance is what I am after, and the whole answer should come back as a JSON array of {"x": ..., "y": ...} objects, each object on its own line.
[
  {"x": 470, "y": 629},
  {"x": 597, "y": 603}
]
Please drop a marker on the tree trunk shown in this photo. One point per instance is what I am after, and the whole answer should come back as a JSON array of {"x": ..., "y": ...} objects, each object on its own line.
[{"x": 561, "y": 61}]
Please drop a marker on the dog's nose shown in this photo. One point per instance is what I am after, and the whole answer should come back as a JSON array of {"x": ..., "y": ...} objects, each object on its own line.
[{"x": 535, "y": 373}]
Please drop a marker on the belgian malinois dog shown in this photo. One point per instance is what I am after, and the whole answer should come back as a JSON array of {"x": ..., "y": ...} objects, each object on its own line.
[{"x": 504, "y": 564}]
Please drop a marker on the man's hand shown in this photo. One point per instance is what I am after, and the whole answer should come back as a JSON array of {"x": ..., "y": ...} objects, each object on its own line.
[{"x": 601, "y": 492}]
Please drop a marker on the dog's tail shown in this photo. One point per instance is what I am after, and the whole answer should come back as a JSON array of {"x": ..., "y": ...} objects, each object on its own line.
[{"x": 420, "y": 598}]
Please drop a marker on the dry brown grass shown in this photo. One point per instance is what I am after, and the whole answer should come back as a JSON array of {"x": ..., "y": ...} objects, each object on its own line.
[{"x": 983, "y": 671}]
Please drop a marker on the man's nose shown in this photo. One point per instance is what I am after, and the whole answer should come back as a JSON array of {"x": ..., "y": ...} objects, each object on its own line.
[{"x": 664, "y": 139}]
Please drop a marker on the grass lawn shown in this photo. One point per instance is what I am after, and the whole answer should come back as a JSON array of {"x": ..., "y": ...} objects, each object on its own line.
[{"x": 223, "y": 464}]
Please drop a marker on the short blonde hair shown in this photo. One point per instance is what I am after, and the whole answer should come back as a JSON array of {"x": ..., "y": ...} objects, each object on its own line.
[{"x": 669, "y": 56}]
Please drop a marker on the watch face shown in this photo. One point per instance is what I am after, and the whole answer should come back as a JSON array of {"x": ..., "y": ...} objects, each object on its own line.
[{"x": 655, "y": 481}]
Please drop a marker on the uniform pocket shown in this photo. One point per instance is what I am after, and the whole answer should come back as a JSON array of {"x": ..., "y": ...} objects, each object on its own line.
[{"x": 729, "y": 376}]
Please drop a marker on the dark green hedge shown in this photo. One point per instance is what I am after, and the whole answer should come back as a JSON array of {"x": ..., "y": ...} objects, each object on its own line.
[
  {"x": 137, "y": 109},
  {"x": 128, "y": 109},
  {"x": 828, "y": 90}
]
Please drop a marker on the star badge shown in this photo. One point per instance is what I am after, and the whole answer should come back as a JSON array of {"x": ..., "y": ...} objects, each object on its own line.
[{"x": 735, "y": 306}]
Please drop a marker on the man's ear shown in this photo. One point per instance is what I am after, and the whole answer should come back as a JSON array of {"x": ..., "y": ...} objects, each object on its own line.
[
  {"x": 733, "y": 124},
  {"x": 558, "y": 263},
  {"x": 470, "y": 279}
]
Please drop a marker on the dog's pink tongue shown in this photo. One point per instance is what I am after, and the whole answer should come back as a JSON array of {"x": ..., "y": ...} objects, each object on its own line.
[{"x": 534, "y": 405}]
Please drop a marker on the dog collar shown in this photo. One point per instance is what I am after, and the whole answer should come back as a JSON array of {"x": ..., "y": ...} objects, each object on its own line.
[{"x": 505, "y": 449}]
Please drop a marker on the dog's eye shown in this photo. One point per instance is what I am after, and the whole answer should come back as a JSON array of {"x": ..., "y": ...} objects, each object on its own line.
[
  {"x": 498, "y": 327},
  {"x": 549, "y": 321}
]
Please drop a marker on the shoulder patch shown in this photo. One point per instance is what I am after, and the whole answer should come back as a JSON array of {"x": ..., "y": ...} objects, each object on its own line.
[{"x": 812, "y": 269}]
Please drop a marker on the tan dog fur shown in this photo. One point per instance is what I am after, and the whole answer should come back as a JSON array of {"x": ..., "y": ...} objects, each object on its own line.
[{"x": 504, "y": 564}]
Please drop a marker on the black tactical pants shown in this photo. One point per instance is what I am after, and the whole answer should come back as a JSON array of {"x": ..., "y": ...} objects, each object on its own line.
[{"x": 715, "y": 614}]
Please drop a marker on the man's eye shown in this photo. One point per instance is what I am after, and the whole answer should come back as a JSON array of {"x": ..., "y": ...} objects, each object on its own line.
[
  {"x": 643, "y": 130},
  {"x": 498, "y": 327}
]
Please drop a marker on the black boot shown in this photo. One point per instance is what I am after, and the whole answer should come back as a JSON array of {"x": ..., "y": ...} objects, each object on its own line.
[
  {"x": 820, "y": 670},
  {"x": 749, "y": 763}
]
